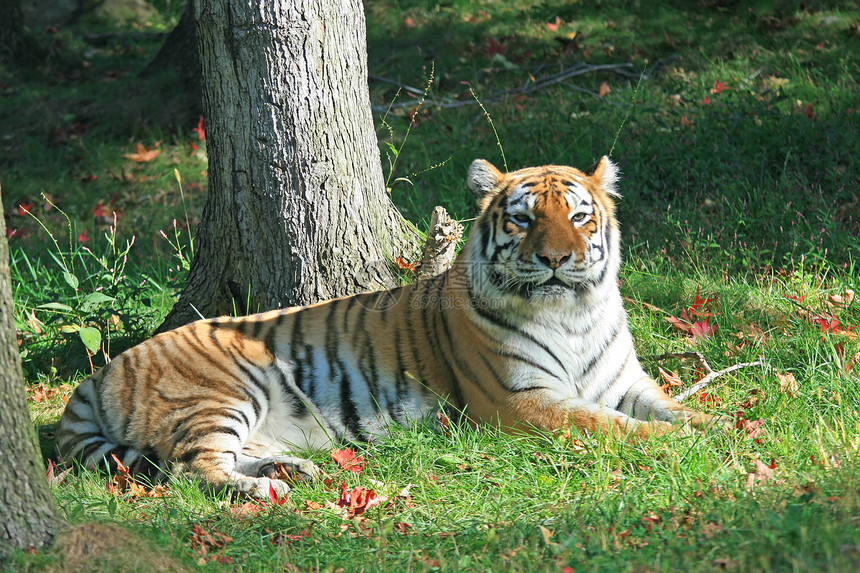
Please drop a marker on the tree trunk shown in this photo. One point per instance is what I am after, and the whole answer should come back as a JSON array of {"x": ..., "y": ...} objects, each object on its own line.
[
  {"x": 179, "y": 53},
  {"x": 28, "y": 516},
  {"x": 297, "y": 210},
  {"x": 12, "y": 37}
]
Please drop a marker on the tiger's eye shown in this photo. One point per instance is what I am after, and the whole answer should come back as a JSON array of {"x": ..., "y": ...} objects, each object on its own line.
[
  {"x": 578, "y": 217},
  {"x": 521, "y": 220}
]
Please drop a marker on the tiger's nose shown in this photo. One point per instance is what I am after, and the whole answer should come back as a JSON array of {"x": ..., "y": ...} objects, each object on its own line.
[{"x": 553, "y": 259}]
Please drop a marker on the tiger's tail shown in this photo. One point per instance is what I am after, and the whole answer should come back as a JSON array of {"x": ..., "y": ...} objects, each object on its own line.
[{"x": 84, "y": 437}]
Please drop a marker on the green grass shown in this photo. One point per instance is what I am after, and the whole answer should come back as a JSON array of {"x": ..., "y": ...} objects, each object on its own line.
[{"x": 749, "y": 199}]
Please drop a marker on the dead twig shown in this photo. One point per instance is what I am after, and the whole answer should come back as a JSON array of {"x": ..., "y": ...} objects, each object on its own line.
[
  {"x": 713, "y": 376},
  {"x": 647, "y": 306},
  {"x": 692, "y": 354},
  {"x": 530, "y": 86}
]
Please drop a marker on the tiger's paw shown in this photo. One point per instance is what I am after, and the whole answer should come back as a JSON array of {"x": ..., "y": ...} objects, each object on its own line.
[
  {"x": 709, "y": 423},
  {"x": 288, "y": 468},
  {"x": 260, "y": 488}
]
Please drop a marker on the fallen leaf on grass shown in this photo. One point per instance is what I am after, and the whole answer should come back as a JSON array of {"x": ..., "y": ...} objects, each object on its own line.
[
  {"x": 761, "y": 474},
  {"x": 347, "y": 459},
  {"x": 787, "y": 383},
  {"x": 403, "y": 265},
  {"x": 202, "y": 542},
  {"x": 55, "y": 478},
  {"x": 278, "y": 537},
  {"x": 695, "y": 320},
  {"x": 123, "y": 483},
  {"x": 144, "y": 154},
  {"x": 840, "y": 301},
  {"x": 604, "y": 89},
  {"x": 354, "y": 503},
  {"x": 547, "y": 536},
  {"x": 752, "y": 428}
]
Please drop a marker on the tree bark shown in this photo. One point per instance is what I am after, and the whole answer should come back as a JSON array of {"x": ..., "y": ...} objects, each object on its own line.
[
  {"x": 28, "y": 516},
  {"x": 297, "y": 210}
]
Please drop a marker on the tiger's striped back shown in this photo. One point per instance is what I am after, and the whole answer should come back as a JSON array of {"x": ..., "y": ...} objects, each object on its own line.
[{"x": 526, "y": 330}]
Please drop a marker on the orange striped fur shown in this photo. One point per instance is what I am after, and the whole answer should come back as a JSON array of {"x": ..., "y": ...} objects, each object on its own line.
[{"x": 527, "y": 330}]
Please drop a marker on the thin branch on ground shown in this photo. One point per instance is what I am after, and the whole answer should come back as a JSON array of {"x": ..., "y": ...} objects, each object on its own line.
[
  {"x": 647, "y": 306},
  {"x": 692, "y": 354},
  {"x": 714, "y": 375},
  {"x": 530, "y": 86},
  {"x": 408, "y": 88}
]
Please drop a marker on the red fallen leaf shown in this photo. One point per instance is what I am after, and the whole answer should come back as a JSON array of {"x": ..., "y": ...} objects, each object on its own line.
[
  {"x": 82, "y": 238},
  {"x": 402, "y": 264},
  {"x": 553, "y": 26},
  {"x": 687, "y": 323},
  {"x": 701, "y": 329},
  {"x": 194, "y": 147},
  {"x": 772, "y": 464},
  {"x": 358, "y": 500},
  {"x": 201, "y": 133},
  {"x": 34, "y": 322},
  {"x": 144, "y": 154},
  {"x": 293, "y": 537},
  {"x": 808, "y": 111},
  {"x": 707, "y": 397},
  {"x": 494, "y": 47},
  {"x": 88, "y": 178},
  {"x": 684, "y": 121},
  {"x": 700, "y": 303},
  {"x": 718, "y": 87},
  {"x": 705, "y": 100},
  {"x": 99, "y": 210},
  {"x": 38, "y": 395},
  {"x": 827, "y": 324},
  {"x": 24, "y": 208},
  {"x": 409, "y": 22},
  {"x": 347, "y": 459},
  {"x": 273, "y": 497}
]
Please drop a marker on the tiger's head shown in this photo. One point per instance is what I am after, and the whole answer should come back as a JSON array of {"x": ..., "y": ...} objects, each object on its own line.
[{"x": 543, "y": 232}]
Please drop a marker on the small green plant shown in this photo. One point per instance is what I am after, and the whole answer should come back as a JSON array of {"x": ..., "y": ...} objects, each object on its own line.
[{"x": 88, "y": 302}]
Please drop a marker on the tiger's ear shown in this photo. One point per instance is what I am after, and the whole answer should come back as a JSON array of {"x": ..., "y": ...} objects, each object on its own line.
[
  {"x": 606, "y": 176},
  {"x": 482, "y": 177}
]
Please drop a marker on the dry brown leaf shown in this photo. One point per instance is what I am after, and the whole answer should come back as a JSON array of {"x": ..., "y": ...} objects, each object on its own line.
[
  {"x": 841, "y": 301},
  {"x": 547, "y": 535},
  {"x": 604, "y": 89},
  {"x": 671, "y": 380},
  {"x": 761, "y": 474},
  {"x": 144, "y": 154},
  {"x": 787, "y": 383}
]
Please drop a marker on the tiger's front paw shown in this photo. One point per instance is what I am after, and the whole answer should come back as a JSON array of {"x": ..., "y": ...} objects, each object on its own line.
[{"x": 711, "y": 423}]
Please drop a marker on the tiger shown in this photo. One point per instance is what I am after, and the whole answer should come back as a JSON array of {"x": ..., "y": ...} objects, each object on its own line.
[{"x": 526, "y": 331}]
